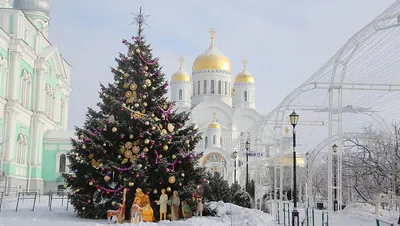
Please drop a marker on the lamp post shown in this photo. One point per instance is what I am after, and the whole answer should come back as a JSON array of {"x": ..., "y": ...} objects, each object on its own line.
[
  {"x": 294, "y": 118},
  {"x": 235, "y": 155},
  {"x": 335, "y": 202},
  {"x": 247, "y": 146}
]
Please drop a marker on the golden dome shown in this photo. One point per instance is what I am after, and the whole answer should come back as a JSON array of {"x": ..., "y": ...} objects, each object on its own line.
[
  {"x": 244, "y": 76},
  {"x": 181, "y": 75},
  {"x": 214, "y": 124},
  {"x": 288, "y": 160},
  {"x": 212, "y": 58}
]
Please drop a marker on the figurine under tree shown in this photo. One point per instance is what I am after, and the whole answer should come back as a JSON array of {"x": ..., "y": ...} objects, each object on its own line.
[{"x": 134, "y": 141}]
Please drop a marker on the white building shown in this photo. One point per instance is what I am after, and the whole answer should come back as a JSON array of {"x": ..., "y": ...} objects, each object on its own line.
[
  {"x": 222, "y": 109},
  {"x": 34, "y": 97}
]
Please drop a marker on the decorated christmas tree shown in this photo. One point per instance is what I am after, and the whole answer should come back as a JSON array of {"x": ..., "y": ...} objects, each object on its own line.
[{"x": 135, "y": 140}]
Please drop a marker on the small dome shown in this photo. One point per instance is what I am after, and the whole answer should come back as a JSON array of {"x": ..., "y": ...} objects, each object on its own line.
[
  {"x": 181, "y": 75},
  {"x": 41, "y": 6},
  {"x": 214, "y": 124},
  {"x": 212, "y": 58},
  {"x": 244, "y": 76}
]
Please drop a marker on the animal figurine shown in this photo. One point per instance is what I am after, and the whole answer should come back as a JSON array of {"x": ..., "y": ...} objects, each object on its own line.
[
  {"x": 115, "y": 213},
  {"x": 136, "y": 214}
]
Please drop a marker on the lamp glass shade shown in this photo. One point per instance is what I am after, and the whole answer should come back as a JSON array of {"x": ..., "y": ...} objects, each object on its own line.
[
  {"x": 247, "y": 145},
  {"x": 334, "y": 147},
  {"x": 235, "y": 154},
  {"x": 294, "y": 118}
]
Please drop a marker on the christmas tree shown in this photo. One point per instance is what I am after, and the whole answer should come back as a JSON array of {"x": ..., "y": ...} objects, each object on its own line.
[{"x": 135, "y": 140}]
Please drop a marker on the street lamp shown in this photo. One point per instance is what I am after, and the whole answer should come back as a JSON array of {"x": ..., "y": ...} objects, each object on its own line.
[
  {"x": 294, "y": 118},
  {"x": 335, "y": 202},
  {"x": 247, "y": 146},
  {"x": 235, "y": 155}
]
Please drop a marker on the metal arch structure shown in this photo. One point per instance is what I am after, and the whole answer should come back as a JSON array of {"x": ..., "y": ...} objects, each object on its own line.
[{"x": 352, "y": 77}]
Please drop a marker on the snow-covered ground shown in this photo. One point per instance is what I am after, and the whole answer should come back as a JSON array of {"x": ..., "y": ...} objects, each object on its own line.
[{"x": 353, "y": 215}]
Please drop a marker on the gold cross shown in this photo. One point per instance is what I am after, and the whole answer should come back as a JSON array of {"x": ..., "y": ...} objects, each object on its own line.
[
  {"x": 214, "y": 117},
  {"x": 181, "y": 59},
  {"x": 244, "y": 62},
  {"x": 212, "y": 32}
]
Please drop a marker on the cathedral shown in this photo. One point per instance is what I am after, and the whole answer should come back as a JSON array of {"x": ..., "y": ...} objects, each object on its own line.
[
  {"x": 224, "y": 109},
  {"x": 34, "y": 97}
]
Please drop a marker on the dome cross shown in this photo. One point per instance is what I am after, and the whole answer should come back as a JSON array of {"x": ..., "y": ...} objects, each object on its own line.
[
  {"x": 244, "y": 62},
  {"x": 181, "y": 60},
  {"x": 214, "y": 117},
  {"x": 212, "y": 32}
]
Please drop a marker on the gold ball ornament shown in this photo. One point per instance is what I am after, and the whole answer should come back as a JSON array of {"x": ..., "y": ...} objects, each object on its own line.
[
  {"x": 165, "y": 147},
  {"x": 145, "y": 104},
  {"x": 155, "y": 191},
  {"x": 146, "y": 141},
  {"x": 173, "y": 156},
  {"x": 107, "y": 178},
  {"x": 90, "y": 183},
  {"x": 136, "y": 105},
  {"x": 65, "y": 185},
  {"x": 114, "y": 129},
  {"x": 131, "y": 136},
  {"x": 145, "y": 149},
  {"x": 137, "y": 50},
  {"x": 126, "y": 75},
  {"x": 146, "y": 68},
  {"x": 123, "y": 105},
  {"x": 131, "y": 184},
  {"x": 147, "y": 82},
  {"x": 168, "y": 189},
  {"x": 144, "y": 86},
  {"x": 144, "y": 97},
  {"x": 171, "y": 179}
]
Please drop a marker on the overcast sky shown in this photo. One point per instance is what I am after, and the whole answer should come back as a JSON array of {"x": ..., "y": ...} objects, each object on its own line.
[{"x": 285, "y": 41}]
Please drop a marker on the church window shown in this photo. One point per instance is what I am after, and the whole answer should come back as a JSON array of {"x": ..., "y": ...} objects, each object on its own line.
[
  {"x": 180, "y": 94},
  {"x": 63, "y": 163},
  {"x": 219, "y": 87},
  {"x": 205, "y": 87},
  {"x": 198, "y": 87},
  {"x": 21, "y": 149},
  {"x": 245, "y": 96},
  {"x": 226, "y": 88},
  {"x": 206, "y": 142},
  {"x": 212, "y": 87},
  {"x": 26, "y": 82},
  {"x": 214, "y": 139}
]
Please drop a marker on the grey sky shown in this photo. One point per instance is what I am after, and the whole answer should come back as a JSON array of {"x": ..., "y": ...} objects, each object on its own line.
[{"x": 285, "y": 41}]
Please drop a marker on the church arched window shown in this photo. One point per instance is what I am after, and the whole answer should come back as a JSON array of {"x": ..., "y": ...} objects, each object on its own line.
[
  {"x": 245, "y": 96},
  {"x": 198, "y": 87},
  {"x": 205, "y": 87},
  {"x": 212, "y": 86},
  {"x": 226, "y": 88},
  {"x": 214, "y": 139},
  {"x": 219, "y": 87},
  {"x": 26, "y": 82},
  {"x": 63, "y": 163},
  {"x": 206, "y": 142},
  {"x": 180, "y": 94}
]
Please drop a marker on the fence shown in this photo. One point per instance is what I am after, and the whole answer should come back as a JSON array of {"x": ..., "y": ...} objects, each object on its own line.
[
  {"x": 1, "y": 199},
  {"x": 58, "y": 195},
  {"x": 325, "y": 218},
  {"x": 286, "y": 214},
  {"x": 380, "y": 222},
  {"x": 310, "y": 217}
]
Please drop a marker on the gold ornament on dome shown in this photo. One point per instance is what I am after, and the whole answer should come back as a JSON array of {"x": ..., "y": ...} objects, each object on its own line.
[
  {"x": 244, "y": 76},
  {"x": 128, "y": 145},
  {"x": 171, "y": 179},
  {"x": 168, "y": 189},
  {"x": 133, "y": 87},
  {"x": 170, "y": 127},
  {"x": 181, "y": 75}
]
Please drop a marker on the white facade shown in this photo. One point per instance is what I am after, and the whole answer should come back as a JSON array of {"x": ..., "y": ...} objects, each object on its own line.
[{"x": 222, "y": 110}]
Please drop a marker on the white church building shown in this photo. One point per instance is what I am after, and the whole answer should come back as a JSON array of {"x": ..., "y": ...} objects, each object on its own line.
[{"x": 222, "y": 107}]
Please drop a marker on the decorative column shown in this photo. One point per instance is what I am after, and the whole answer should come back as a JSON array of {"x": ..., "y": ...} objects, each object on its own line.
[
  {"x": 40, "y": 145},
  {"x": 65, "y": 113},
  {"x": 57, "y": 105},
  {"x": 34, "y": 143},
  {"x": 39, "y": 89},
  {"x": 10, "y": 135},
  {"x": 14, "y": 75}
]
